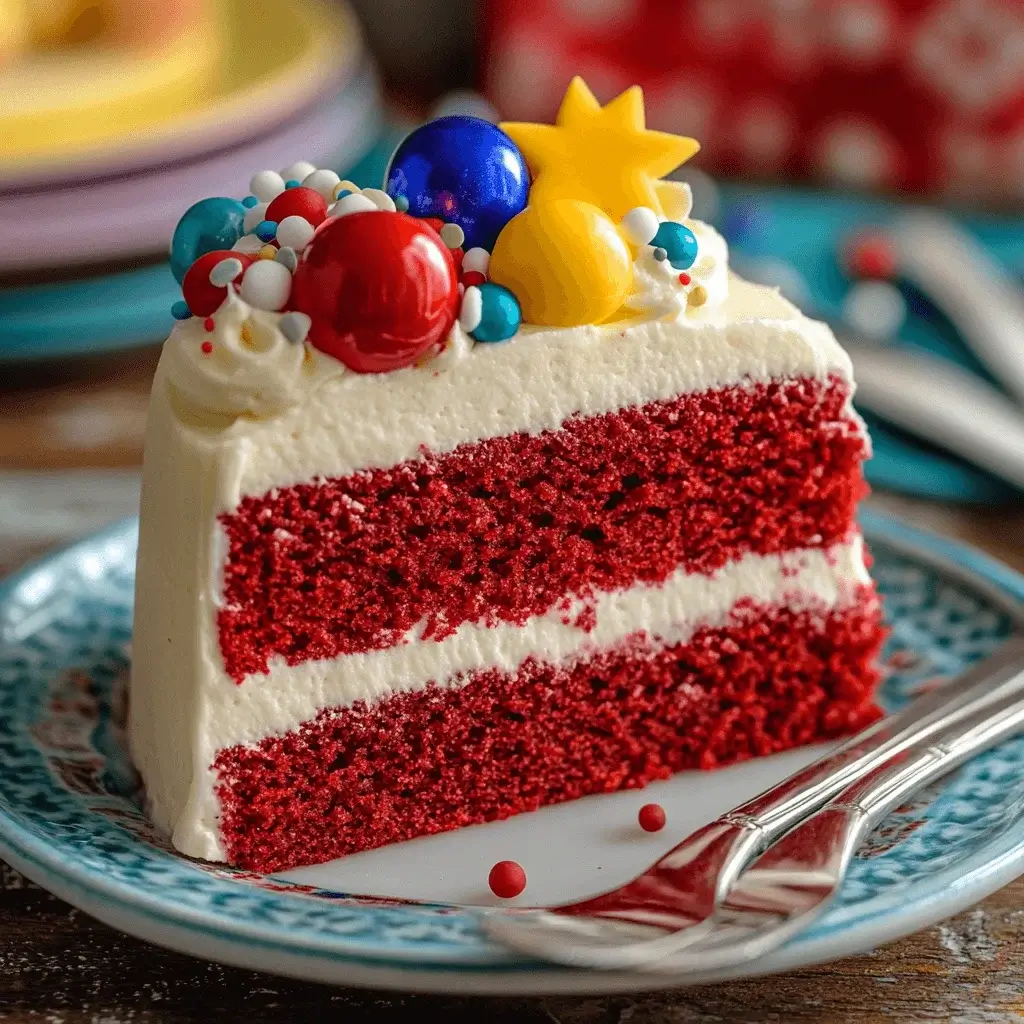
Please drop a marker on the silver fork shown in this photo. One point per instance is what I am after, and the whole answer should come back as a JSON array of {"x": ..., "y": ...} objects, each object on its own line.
[
  {"x": 672, "y": 905},
  {"x": 794, "y": 881}
]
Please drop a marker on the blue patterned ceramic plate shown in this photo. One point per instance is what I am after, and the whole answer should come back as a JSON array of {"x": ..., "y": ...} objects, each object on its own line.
[{"x": 70, "y": 818}]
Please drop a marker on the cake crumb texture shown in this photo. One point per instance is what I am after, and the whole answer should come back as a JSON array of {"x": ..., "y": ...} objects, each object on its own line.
[
  {"x": 445, "y": 757},
  {"x": 509, "y": 527}
]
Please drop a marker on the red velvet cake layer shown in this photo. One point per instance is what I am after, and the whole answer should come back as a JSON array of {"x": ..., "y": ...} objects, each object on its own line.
[
  {"x": 509, "y": 527},
  {"x": 440, "y": 758}
]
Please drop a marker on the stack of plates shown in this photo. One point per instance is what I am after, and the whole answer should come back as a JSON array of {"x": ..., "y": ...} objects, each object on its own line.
[{"x": 104, "y": 156}]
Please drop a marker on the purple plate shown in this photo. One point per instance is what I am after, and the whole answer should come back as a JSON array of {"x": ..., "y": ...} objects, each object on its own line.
[{"x": 136, "y": 214}]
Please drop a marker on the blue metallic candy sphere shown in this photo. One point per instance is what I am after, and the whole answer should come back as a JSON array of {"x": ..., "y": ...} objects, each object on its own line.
[
  {"x": 209, "y": 225},
  {"x": 679, "y": 242},
  {"x": 464, "y": 170}
]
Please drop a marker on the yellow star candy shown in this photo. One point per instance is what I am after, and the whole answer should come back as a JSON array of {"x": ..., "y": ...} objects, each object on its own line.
[{"x": 600, "y": 155}]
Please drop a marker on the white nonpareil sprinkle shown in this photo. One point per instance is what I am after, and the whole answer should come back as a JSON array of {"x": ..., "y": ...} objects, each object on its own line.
[
  {"x": 355, "y": 203},
  {"x": 452, "y": 235},
  {"x": 287, "y": 257},
  {"x": 477, "y": 260},
  {"x": 266, "y": 285},
  {"x": 379, "y": 198},
  {"x": 472, "y": 310},
  {"x": 324, "y": 182},
  {"x": 225, "y": 272},
  {"x": 295, "y": 327},
  {"x": 266, "y": 186},
  {"x": 298, "y": 171},
  {"x": 640, "y": 225},
  {"x": 295, "y": 232}
]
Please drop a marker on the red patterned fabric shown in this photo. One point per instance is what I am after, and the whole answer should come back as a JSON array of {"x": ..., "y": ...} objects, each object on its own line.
[{"x": 916, "y": 95}]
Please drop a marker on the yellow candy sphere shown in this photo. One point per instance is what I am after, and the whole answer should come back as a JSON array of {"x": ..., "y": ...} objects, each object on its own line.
[{"x": 565, "y": 262}]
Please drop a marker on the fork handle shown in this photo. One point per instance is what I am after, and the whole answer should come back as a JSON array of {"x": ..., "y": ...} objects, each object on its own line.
[
  {"x": 882, "y": 791},
  {"x": 996, "y": 678}
]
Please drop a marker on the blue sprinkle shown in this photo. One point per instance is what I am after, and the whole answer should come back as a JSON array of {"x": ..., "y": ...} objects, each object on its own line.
[
  {"x": 266, "y": 230},
  {"x": 292, "y": 183},
  {"x": 250, "y": 201},
  {"x": 401, "y": 204},
  {"x": 180, "y": 310},
  {"x": 344, "y": 192}
]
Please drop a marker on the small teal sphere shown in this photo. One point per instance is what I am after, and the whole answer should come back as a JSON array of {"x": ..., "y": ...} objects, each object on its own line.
[
  {"x": 209, "y": 225},
  {"x": 501, "y": 314},
  {"x": 464, "y": 170},
  {"x": 180, "y": 311},
  {"x": 679, "y": 242}
]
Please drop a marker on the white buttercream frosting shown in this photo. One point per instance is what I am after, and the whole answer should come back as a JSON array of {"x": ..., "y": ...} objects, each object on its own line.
[{"x": 248, "y": 367}]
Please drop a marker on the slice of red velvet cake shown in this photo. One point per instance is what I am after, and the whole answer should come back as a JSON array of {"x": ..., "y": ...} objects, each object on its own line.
[{"x": 431, "y": 537}]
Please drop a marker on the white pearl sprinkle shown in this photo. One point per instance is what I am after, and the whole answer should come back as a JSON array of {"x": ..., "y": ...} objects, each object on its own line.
[
  {"x": 295, "y": 327},
  {"x": 255, "y": 215},
  {"x": 640, "y": 225},
  {"x": 225, "y": 272},
  {"x": 380, "y": 199},
  {"x": 355, "y": 203},
  {"x": 875, "y": 309},
  {"x": 287, "y": 257},
  {"x": 324, "y": 182},
  {"x": 266, "y": 186},
  {"x": 298, "y": 171},
  {"x": 248, "y": 244},
  {"x": 266, "y": 285},
  {"x": 472, "y": 311},
  {"x": 295, "y": 232},
  {"x": 477, "y": 260},
  {"x": 452, "y": 235}
]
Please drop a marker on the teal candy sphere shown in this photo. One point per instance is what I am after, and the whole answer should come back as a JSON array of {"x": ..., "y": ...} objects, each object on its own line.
[
  {"x": 500, "y": 314},
  {"x": 209, "y": 225},
  {"x": 679, "y": 242}
]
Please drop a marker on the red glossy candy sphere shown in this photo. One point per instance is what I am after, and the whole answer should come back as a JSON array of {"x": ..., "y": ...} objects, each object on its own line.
[
  {"x": 652, "y": 817},
  {"x": 380, "y": 288},
  {"x": 507, "y": 879},
  {"x": 298, "y": 202},
  {"x": 201, "y": 297}
]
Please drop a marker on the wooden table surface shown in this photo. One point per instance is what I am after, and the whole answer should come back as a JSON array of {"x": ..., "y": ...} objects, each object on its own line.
[{"x": 59, "y": 966}]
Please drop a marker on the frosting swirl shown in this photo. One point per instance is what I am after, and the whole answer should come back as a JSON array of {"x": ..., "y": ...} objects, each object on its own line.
[
  {"x": 659, "y": 291},
  {"x": 245, "y": 366}
]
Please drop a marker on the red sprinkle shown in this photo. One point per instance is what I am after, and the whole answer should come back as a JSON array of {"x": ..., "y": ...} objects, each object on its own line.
[
  {"x": 507, "y": 879},
  {"x": 684, "y": 278},
  {"x": 208, "y": 324},
  {"x": 651, "y": 817},
  {"x": 472, "y": 277},
  {"x": 871, "y": 255},
  {"x": 207, "y": 347}
]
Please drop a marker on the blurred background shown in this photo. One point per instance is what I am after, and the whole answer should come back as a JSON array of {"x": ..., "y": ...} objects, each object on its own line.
[{"x": 865, "y": 156}]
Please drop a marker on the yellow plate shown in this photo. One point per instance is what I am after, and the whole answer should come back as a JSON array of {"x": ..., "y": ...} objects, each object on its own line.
[{"x": 208, "y": 89}]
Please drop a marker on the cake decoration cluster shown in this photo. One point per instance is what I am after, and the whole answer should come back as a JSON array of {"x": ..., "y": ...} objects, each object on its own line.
[{"x": 478, "y": 225}]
